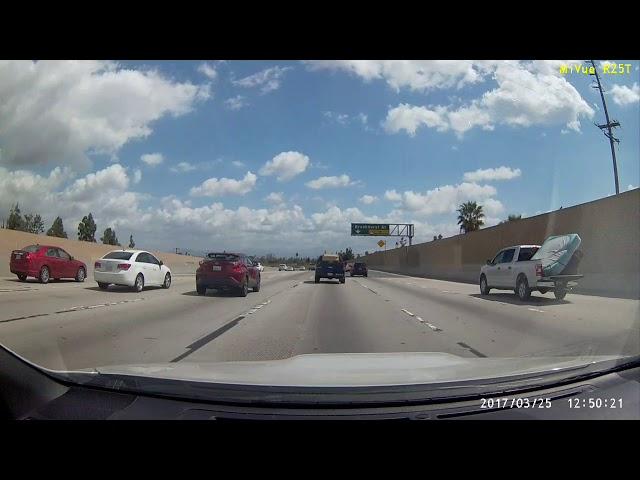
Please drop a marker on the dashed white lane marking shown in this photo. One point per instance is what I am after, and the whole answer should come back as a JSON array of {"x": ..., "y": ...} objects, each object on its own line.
[
  {"x": 535, "y": 310},
  {"x": 257, "y": 307},
  {"x": 419, "y": 319},
  {"x": 108, "y": 304},
  {"x": 408, "y": 312}
]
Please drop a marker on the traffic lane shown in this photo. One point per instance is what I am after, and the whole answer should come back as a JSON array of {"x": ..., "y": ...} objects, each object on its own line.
[
  {"x": 49, "y": 298},
  {"x": 20, "y": 300},
  {"x": 619, "y": 313},
  {"x": 327, "y": 317},
  {"x": 144, "y": 330},
  {"x": 509, "y": 328}
]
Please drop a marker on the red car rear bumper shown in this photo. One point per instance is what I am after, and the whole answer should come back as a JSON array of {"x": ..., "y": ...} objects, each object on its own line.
[{"x": 217, "y": 280}]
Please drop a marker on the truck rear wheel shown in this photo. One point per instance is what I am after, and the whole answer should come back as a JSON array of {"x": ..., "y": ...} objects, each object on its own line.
[{"x": 522, "y": 287}]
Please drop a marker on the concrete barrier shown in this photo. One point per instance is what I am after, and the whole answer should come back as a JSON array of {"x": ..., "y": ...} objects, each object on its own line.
[
  {"x": 84, "y": 251},
  {"x": 609, "y": 229}
]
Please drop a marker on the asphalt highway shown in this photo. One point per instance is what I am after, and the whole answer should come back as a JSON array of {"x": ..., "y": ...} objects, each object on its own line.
[{"x": 70, "y": 325}]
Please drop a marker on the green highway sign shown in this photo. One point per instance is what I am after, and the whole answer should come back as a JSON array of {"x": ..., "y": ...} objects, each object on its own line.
[{"x": 370, "y": 229}]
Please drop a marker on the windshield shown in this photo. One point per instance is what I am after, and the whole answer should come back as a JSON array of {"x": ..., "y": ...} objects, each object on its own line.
[
  {"x": 327, "y": 208},
  {"x": 118, "y": 255},
  {"x": 31, "y": 248}
]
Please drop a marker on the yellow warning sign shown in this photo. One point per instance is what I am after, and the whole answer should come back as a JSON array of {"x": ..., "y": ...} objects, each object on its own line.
[{"x": 381, "y": 243}]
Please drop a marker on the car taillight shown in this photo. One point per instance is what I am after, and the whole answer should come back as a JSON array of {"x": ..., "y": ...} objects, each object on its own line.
[
  {"x": 97, "y": 265},
  {"x": 237, "y": 266},
  {"x": 538, "y": 270},
  {"x": 123, "y": 266}
]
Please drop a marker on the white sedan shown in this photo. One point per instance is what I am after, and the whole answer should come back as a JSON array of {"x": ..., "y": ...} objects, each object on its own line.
[{"x": 131, "y": 268}]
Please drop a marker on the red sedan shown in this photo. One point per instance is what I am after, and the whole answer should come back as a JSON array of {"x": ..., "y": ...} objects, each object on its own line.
[
  {"x": 45, "y": 262},
  {"x": 227, "y": 271}
]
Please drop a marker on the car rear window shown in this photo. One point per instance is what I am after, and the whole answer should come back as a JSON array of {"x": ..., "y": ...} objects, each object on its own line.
[
  {"x": 526, "y": 253},
  {"x": 118, "y": 255},
  {"x": 31, "y": 248},
  {"x": 324, "y": 263},
  {"x": 223, "y": 256}
]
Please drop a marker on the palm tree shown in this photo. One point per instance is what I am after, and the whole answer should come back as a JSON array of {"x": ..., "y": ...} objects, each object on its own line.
[{"x": 470, "y": 218}]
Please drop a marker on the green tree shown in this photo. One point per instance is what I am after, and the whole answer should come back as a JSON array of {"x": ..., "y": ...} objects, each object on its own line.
[
  {"x": 470, "y": 217},
  {"x": 348, "y": 254},
  {"x": 33, "y": 223},
  {"x": 57, "y": 229},
  {"x": 109, "y": 237},
  {"x": 87, "y": 229},
  {"x": 132, "y": 244},
  {"x": 15, "y": 221},
  {"x": 511, "y": 218}
]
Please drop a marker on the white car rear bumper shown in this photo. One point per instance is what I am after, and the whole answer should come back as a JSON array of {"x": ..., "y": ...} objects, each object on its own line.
[{"x": 117, "y": 278}]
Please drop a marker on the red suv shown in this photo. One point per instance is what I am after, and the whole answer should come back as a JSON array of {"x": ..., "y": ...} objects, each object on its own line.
[
  {"x": 227, "y": 271},
  {"x": 45, "y": 262}
]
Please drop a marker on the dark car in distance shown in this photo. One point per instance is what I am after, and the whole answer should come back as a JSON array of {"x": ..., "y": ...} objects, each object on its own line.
[
  {"x": 227, "y": 271},
  {"x": 359, "y": 269},
  {"x": 46, "y": 262},
  {"x": 329, "y": 268}
]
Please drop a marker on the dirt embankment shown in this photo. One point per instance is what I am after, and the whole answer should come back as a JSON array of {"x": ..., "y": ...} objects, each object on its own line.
[{"x": 84, "y": 251}]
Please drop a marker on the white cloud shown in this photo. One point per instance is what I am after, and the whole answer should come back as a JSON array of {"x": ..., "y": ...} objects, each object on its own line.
[
  {"x": 445, "y": 199},
  {"x": 267, "y": 80},
  {"x": 236, "y": 103},
  {"x": 60, "y": 111},
  {"x": 393, "y": 196},
  {"x": 330, "y": 182},
  {"x": 137, "y": 175},
  {"x": 286, "y": 165},
  {"x": 341, "y": 118},
  {"x": 276, "y": 198},
  {"x": 238, "y": 163},
  {"x": 368, "y": 199},
  {"x": 624, "y": 95},
  {"x": 525, "y": 96},
  {"x": 152, "y": 159},
  {"x": 417, "y": 75},
  {"x": 183, "y": 167},
  {"x": 489, "y": 174},
  {"x": 363, "y": 118},
  {"x": 214, "y": 187},
  {"x": 208, "y": 71},
  {"x": 103, "y": 193},
  {"x": 409, "y": 118}
]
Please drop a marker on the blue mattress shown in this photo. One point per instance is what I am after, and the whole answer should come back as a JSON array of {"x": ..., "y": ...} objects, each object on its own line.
[{"x": 556, "y": 253}]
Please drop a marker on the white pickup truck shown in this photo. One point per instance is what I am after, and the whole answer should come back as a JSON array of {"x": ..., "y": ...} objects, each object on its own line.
[{"x": 513, "y": 268}]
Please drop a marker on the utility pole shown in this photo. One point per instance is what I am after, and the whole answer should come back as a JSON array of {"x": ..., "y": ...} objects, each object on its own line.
[{"x": 607, "y": 126}]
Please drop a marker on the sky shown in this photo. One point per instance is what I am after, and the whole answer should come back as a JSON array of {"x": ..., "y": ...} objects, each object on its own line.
[{"x": 281, "y": 156}]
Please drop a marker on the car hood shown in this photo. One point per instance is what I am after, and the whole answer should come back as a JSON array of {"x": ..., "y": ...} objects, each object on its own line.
[{"x": 365, "y": 369}]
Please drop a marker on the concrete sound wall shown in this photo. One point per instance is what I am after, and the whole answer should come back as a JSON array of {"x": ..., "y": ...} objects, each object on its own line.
[
  {"x": 609, "y": 228},
  {"x": 84, "y": 251}
]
